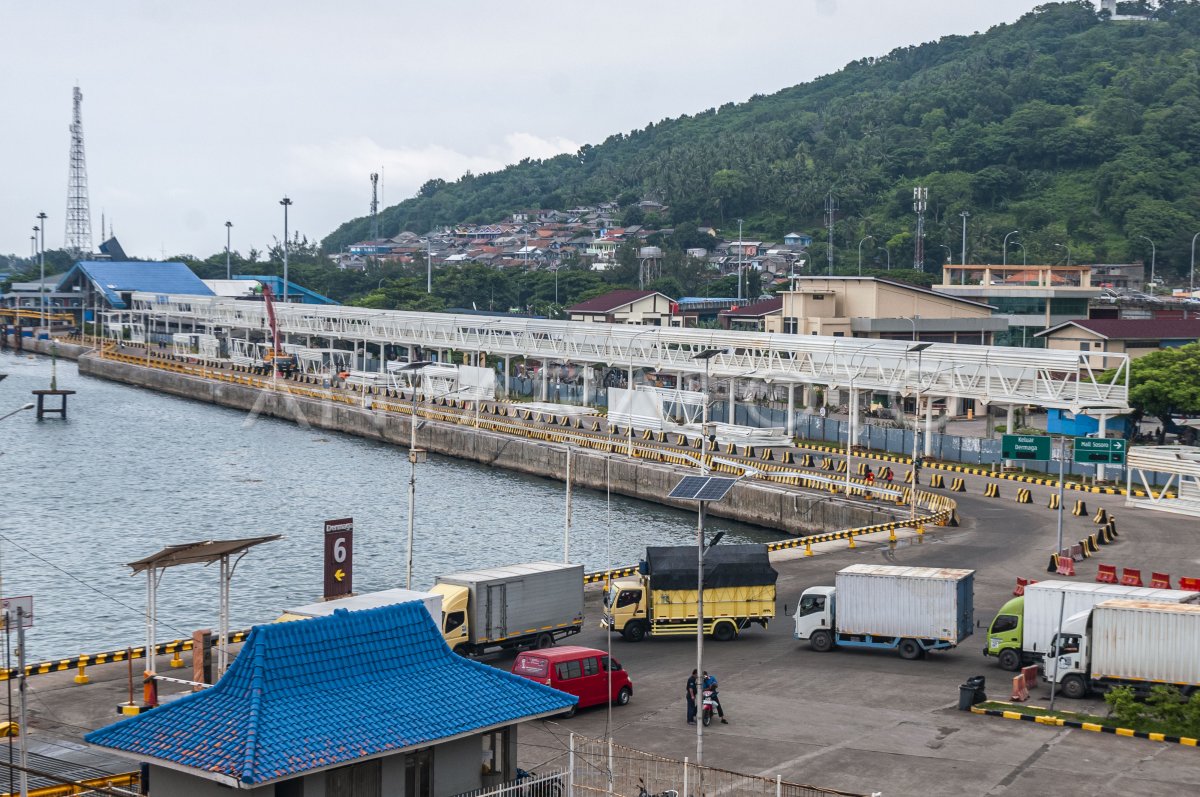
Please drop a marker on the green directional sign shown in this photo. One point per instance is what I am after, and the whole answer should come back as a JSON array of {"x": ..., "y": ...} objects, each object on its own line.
[
  {"x": 1091, "y": 451},
  {"x": 1025, "y": 446}
]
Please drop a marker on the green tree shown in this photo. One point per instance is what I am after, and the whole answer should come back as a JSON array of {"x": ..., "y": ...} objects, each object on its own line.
[{"x": 1166, "y": 383}]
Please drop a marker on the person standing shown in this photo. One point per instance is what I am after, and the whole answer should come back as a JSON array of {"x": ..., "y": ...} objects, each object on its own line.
[{"x": 691, "y": 699}]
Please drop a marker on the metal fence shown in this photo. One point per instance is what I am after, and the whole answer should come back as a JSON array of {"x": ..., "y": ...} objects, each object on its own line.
[
  {"x": 600, "y": 767},
  {"x": 527, "y": 784}
]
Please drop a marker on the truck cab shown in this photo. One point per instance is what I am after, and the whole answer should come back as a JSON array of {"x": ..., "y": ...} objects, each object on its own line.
[
  {"x": 815, "y": 614},
  {"x": 1006, "y": 635},
  {"x": 625, "y": 607},
  {"x": 1067, "y": 660},
  {"x": 456, "y": 618}
]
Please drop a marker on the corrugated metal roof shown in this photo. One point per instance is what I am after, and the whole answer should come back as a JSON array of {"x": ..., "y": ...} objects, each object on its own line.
[
  {"x": 276, "y": 285},
  {"x": 611, "y": 301},
  {"x": 114, "y": 277},
  {"x": 315, "y": 694}
]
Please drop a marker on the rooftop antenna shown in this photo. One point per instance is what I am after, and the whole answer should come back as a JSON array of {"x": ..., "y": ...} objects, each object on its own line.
[
  {"x": 79, "y": 217},
  {"x": 920, "y": 201},
  {"x": 374, "y": 206}
]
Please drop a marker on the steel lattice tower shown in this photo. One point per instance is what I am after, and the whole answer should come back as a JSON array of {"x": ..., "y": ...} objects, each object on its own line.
[
  {"x": 374, "y": 206},
  {"x": 79, "y": 215}
]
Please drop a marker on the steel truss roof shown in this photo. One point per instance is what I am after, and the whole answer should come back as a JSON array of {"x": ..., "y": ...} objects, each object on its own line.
[{"x": 991, "y": 374}]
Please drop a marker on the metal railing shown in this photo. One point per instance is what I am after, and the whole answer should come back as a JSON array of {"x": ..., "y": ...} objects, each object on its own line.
[{"x": 527, "y": 784}]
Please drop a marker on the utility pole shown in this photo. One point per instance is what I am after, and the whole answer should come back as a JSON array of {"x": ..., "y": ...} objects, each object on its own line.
[
  {"x": 965, "y": 215},
  {"x": 741, "y": 249},
  {"x": 287, "y": 203},
  {"x": 831, "y": 206},
  {"x": 429, "y": 262},
  {"x": 228, "y": 233},
  {"x": 374, "y": 206},
  {"x": 920, "y": 202}
]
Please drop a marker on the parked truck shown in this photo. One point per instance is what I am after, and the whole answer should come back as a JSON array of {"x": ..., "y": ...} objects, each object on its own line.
[
  {"x": 517, "y": 606},
  {"x": 1024, "y": 627},
  {"x": 910, "y": 609},
  {"x": 739, "y": 591},
  {"x": 1126, "y": 643}
]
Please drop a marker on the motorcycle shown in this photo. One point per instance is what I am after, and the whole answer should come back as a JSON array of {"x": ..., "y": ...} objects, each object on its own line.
[
  {"x": 643, "y": 793},
  {"x": 709, "y": 706}
]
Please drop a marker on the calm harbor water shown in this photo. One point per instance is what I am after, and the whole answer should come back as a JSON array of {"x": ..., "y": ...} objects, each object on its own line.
[{"x": 132, "y": 471}]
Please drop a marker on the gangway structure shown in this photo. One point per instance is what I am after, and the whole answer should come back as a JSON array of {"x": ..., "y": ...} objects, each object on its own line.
[{"x": 1095, "y": 384}]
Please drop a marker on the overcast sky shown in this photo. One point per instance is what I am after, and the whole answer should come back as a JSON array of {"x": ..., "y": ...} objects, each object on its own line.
[{"x": 198, "y": 113}]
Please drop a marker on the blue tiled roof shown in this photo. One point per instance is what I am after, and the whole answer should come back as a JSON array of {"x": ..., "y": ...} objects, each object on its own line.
[
  {"x": 111, "y": 277},
  {"x": 276, "y": 285},
  {"x": 312, "y": 694}
]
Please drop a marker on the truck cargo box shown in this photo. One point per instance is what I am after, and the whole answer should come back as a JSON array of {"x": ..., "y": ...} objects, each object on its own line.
[
  {"x": 910, "y": 602},
  {"x": 1146, "y": 641},
  {"x": 1046, "y": 599},
  {"x": 674, "y": 567},
  {"x": 518, "y": 600},
  {"x": 369, "y": 600}
]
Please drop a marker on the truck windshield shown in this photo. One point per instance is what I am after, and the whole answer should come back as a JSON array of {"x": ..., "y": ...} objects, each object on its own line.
[
  {"x": 611, "y": 595},
  {"x": 1004, "y": 622},
  {"x": 1066, "y": 643}
]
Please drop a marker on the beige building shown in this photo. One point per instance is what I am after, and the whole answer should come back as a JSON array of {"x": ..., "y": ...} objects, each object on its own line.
[
  {"x": 626, "y": 307},
  {"x": 1131, "y": 336},
  {"x": 870, "y": 307}
]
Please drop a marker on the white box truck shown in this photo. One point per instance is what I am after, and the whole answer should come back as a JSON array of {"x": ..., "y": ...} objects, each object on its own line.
[
  {"x": 1022, "y": 630},
  {"x": 1127, "y": 643},
  {"x": 909, "y": 609},
  {"x": 368, "y": 600},
  {"x": 500, "y": 608}
]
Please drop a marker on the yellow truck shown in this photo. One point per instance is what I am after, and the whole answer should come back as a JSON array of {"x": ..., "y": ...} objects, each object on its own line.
[{"x": 739, "y": 590}]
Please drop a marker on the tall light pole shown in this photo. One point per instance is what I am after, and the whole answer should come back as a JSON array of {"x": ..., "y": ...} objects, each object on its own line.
[
  {"x": 228, "y": 233},
  {"x": 965, "y": 215},
  {"x": 429, "y": 260},
  {"x": 1064, "y": 246},
  {"x": 741, "y": 249},
  {"x": 18, "y": 409},
  {"x": 1004, "y": 262},
  {"x": 1024, "y": 259},
  {"x": 1192, "y": 273},
  {"x": 860, "y": 243},
  {"x": 287, "y": 203},
  {"x": 884, "y": 249},
  {"x": 1152, "y": 256},
  {"x": 949, "y": 252},
  {"x": 41, "y": 231},
  {"x": 918, "y": 348},
  {"x": 707, "y": 356},
  {"x": 414, "y": 455}
]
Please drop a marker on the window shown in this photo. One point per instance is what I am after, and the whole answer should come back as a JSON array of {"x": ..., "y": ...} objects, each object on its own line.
[
  {"x": 1004, "y": 623},
  {"x": 568, "y": 669},
  {"x": 629, "y": 597},
  {"x": 591, "y": 666},
  {"x": 1067, "y": 643},
  {"x": 418, "y": 774},
  {"x": 495, "y": 756},
  {"x": 534, "y": 666},
  {"x": 791, "y": 325},
  {"x": 356, "y": 780},
  {"x": 290, "y": 788},
  {"x": 454, "y": 620},
  {"x": 1085, "y": 346},
  {"x": 811, "y": 604},
  {"x": 607, "y": 664}
]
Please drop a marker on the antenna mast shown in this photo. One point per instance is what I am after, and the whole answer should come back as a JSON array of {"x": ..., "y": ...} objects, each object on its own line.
[
  {"x": 374, "y": 206},
  {"x": 79, "y": 216},
  {"x": 920, "y": 201},
  {"x": 831, "y": 208}
]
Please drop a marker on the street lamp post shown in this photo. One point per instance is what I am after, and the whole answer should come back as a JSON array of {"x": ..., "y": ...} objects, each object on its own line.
[
  {"x": 414, "y": 455},
  {"x": 1024, "y": 259},
  {"x": 18, "y": 409},
  {"x": 918, "y": 348},
  {"x": 949, "y": 252},
  {"x": 884, "y": 249},
  {"x": 287, "y": 203},
  {"x": 41, "y": 231},
  {"x": 1005, "y": 257},
  {"x": 965, "y": 215},
  {"x": 1064, "y": 246},
  {"x": 228, "y": 232},
  {"x": 1152, "y": 258},
  {"x": 741, "y": 249},
  {"x": 1192, "y": 273},
  {"x": 860, "y": 243}
]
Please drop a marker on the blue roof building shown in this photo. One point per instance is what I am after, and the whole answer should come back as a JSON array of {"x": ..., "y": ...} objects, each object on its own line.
[
  {"x": 365, "y": 695},
  {"x": 113, "y": 281},
  {"x": 296, "y": 293}
]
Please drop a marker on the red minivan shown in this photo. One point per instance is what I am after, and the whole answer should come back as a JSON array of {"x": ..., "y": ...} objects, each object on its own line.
[{"x": 583, "y": 672}]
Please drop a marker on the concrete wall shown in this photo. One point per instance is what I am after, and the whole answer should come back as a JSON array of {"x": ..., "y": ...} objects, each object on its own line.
[{"x": 748, "y": 502}]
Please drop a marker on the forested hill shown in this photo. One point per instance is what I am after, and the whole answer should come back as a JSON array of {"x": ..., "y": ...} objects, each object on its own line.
[{"x": 1075, "y": 129}]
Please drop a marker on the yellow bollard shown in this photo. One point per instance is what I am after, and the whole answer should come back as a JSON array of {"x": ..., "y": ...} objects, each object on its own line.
[
  {"x": 808, "y": 549},
  {"x": 176, "y": 660},
  {"x": 852, "y": 545},
  {"x": 81, "y": 677},
  {"x": 920, "y": 529},
  {"x": 892, "y": 534}
]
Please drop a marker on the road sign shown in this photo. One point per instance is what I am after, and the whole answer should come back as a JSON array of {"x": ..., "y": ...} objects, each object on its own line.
[
  {"x": 9, "y": 607},
  {"x": 339, "y": 558},
  {"x": 1093, "y": 451},
  {"x": 1025, "y": 446}
]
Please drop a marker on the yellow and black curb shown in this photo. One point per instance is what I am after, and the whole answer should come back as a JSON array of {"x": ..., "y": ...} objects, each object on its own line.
[{"x": 1059, "y": 722}]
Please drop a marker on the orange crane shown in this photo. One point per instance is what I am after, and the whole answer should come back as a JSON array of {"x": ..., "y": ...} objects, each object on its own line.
[{"x": 275, "y": 359}]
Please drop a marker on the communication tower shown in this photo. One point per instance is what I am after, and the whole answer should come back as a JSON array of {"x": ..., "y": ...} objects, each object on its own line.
[
  {"x": 920, "y": 201},
  {"x": 374, "y": 206},
  {"x": 79, "y": 216},
  {"x": 831, "y": 209}
]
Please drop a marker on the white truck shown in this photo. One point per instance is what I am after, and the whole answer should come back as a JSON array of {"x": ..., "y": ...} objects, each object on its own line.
[
  {"x": 367, "y": 600},
  {"x": 1126, "y": 643},
  {"x": 910, "y": 609},
  {"x": 1023, "y": 629},
  {"x": 516, "y": 606}
]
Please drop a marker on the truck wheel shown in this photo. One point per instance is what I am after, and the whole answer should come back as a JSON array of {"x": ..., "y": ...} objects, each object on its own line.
[
  {"x": 1074, "y": 687},
  {"x": 570, "y": 712},
  {"x": 1010, "y": 660},
  {"x": 910, "y": 649},
  {"x": 724, "y": 632},
  {"x": 821, "y": 641},
  {"x": 543, "y": 641},
  {"x": 623, "y": 696},
  {"x": 634, "y": 632}
]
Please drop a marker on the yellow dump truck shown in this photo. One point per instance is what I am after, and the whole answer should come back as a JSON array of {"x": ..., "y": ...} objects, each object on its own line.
[{"x": 739, "y": 590}]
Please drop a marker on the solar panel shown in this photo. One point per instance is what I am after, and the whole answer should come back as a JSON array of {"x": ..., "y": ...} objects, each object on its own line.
[{"x": 702, "y": 488}]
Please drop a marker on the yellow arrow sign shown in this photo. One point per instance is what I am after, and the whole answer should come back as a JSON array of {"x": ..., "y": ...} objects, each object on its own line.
[{"x": 339, "y": 575}]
